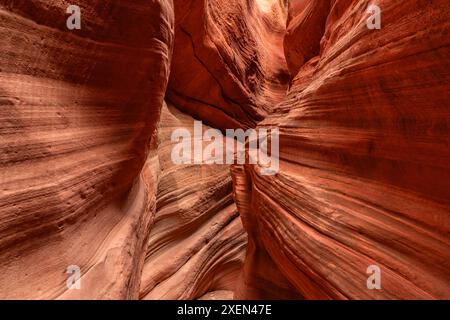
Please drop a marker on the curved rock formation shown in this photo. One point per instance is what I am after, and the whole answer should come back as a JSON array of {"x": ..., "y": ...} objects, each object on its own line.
[
  {"x": 197, "y": 244},
  {"x": 88, "y": 179},
  {"x": 364, "y": 145},
  {"x": 77, "y": 113},
  {"x": 306, "y": 25},
  {"x": 228, "y": 66}
]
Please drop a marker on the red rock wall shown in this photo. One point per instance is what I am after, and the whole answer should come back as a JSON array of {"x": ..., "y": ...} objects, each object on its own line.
[
  {"x": 364, "y": 176},
  {"x": 305, "y": 28},
  {"x": 197, "y": 243},
  {"x": 228, "y": 67},
  {"x": 87, "y": 179},
  {"x": 83, "y": 181},
  {"x": 77, "y": 113}
]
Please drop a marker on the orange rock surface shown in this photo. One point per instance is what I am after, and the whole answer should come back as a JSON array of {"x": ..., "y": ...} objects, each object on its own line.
[
  {"x": 364, "y": 149},
  {"x": 228, "y": 67},
  {"x": 87, "y": 177},
  {"x": 78, "y": 110},
  {"x": 197, "y": 243}
]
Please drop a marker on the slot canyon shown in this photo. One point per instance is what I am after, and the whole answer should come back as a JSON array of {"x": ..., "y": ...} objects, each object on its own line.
[{"x": 88, "y": 181}]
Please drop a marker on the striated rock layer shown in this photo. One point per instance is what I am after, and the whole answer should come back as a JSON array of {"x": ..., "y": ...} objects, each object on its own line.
[
  {"x": 228, "y": 66},
  {"x": 197, "y": 244},
  {"x": 77, "y": 113},
  {"x": 364, "y": 145},
  {"x": 83, "y": 182},
  {"x": 87, "y": 177}
]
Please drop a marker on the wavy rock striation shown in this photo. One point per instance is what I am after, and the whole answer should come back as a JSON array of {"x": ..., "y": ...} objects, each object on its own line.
[
  {"x": 77, "y": 113},
  {"x": 87, "y": 177},
  {"x": 364, "y": 175},
  {"x": 228, "y": 66},
  {"x": 197, "y": 243}
]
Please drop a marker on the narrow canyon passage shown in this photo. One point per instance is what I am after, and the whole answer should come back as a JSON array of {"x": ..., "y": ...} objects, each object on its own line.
[{"x": 88, "y": 180}]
